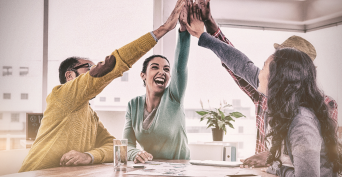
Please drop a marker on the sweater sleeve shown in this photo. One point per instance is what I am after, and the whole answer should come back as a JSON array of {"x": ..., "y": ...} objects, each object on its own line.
[
  {"x": 130, "y": 135},
  {"x": 78, "y": 91},
  {"x": 179, "y": 77},
  {"x": 235, "y": 60},
  {"x": 103, "y": 151},
  {"x": 305, "y": 143}
]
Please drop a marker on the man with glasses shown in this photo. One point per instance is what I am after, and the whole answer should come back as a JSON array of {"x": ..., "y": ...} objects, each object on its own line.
[{"x": 70, "y": 132}]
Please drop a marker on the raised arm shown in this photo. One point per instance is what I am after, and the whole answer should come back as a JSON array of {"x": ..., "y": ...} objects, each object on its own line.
[
  {"x": 232, "y": 58},
  {"x": 179, "y": 75},
  {"x": 235, "y": 60},
  {"x": 88, "y": 85}
]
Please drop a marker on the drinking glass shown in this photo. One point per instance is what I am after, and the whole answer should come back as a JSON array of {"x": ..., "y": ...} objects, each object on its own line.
[{"x": 120, "y": 154}]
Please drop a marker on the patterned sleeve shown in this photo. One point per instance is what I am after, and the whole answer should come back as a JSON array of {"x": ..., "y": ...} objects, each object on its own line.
[{"x": 260, "y": 101}]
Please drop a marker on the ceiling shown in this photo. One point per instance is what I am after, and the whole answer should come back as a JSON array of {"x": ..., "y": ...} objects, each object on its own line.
[{"x": 283, "y": 15}]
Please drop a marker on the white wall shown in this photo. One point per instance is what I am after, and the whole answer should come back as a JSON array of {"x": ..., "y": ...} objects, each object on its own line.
[
  {"x": 113, "y": 121},
  {"x": 94, "y": 29},
  {"x": 328, "y": 43},
  {"x": 21, "y": 45}
]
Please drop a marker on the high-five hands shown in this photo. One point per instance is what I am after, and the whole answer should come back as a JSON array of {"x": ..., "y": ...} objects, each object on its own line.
[
  {"x": 142, "y": 157},
  {"x": 184, "y": 15},
  {"x": 204, "y": 5},
  {"x": 196, "y": 27},
  {"x": 171, "y": 22}
]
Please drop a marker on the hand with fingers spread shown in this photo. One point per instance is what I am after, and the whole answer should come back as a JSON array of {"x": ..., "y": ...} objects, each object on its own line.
[
  {"x": 73, "y": 158},
  {"x": 204, "y": 5},
  {"x": 208, "y": 20},
  {"x": 196, "y": 27},
  {"x": 142, "y": 157},
  {"x": 257, "y": 160},
  {"x": 183, "y": 17},
  {"x": 171, "y": 22}
]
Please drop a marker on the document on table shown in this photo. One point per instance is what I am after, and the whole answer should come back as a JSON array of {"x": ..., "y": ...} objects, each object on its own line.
[
  {"x": 161, "y": 169},
  {"x": 156, "y": 168}
]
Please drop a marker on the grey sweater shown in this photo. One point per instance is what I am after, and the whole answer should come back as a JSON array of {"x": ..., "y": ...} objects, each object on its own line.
[{"x": 305, "y": 144}]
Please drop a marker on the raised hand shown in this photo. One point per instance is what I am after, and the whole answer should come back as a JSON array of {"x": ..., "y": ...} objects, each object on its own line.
[
  {"x": 171, "y": 22},
  {"x": 183, "y": 18},
  {"x": 208, "y": 20},
  {"x": 196, "y": 27},
  {"x": 204, "y": 5}
]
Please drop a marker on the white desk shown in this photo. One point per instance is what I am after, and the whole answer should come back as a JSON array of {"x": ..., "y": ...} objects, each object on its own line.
[{"x": 213, "y": 151}]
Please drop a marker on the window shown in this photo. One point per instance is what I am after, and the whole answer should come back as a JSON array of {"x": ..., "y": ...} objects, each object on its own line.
[
  {"x": 24, "y": 96},
  {"x": 103, "y": 99},
  {"x": 15, "y": 117},
  {"x": 124, "y": 77},
  {"x": 6, "y": 70},
  {"x": 7, "y": 96},
  {"x": 23, "y": 71},
  {"x": 117, "y": 99}
]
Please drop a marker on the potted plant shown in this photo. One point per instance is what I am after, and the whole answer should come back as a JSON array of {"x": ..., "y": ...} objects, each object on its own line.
[{"x": 217, "y": 118}]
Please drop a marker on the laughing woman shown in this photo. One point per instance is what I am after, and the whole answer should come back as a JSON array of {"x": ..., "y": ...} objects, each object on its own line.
[{"x": 156, "y": 120}]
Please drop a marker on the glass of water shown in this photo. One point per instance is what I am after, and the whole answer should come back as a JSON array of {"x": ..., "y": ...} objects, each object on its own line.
[{"x": 120, "y": 154}]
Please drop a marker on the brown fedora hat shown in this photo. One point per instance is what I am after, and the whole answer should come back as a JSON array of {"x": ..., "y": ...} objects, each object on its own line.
[{"x": 298, "y": 43}]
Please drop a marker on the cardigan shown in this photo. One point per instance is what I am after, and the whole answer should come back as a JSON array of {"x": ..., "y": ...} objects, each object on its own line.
[{"x": 166, "y": 137}]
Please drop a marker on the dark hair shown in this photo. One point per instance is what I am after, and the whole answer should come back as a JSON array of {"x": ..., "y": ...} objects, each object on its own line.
[
  {"x": 292, "y": 83},
  {"x": 147, "y": 60},
  {"x": 67, "y": 65}
]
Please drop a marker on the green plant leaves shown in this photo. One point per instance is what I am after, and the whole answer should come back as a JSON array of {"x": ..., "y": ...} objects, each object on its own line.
[
  {"x": 217, "y": 118},
  {"x": 228, "y": 118},
  {"x": 221, "y": 124},
  {"x": 225, "y": 130},
  {"x": 211, "y": 125},
  {"x": 222, "y": 114},
  {"x": 230, "y": 125},
  {"x": 237, "y": 114},
  {"x": 202, "y": 113}
]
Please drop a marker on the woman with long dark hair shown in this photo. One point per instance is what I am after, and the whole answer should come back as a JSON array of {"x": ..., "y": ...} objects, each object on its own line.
[{"x": 300, "y": 124}]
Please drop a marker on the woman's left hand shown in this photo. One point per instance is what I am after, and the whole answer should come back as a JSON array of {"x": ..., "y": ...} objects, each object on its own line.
[
  {"x": 196, "y": 27},
  {"x": 183, "y": 17},
  {"x": 142, "y": 157}
]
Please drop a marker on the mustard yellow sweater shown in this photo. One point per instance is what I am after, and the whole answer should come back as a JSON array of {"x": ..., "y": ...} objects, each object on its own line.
[{"x": 69, "y": 123}]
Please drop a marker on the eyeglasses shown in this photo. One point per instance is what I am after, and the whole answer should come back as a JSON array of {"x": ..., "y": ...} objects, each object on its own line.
[{"x": 86, "y": 65}]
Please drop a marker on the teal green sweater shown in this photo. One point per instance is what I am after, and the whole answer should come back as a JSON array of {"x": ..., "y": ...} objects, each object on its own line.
[{"x": 166, "y": 138}]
